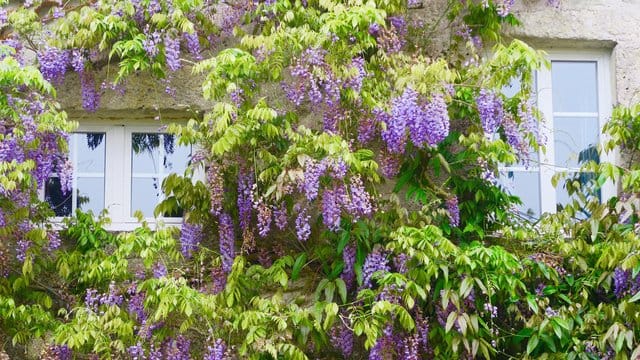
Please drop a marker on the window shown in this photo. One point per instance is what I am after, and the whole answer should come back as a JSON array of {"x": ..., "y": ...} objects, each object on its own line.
[
  {"x": 574, "y": 96},
  {"x": 119, "y": 168},
  {"x": 87, "y": 191}
]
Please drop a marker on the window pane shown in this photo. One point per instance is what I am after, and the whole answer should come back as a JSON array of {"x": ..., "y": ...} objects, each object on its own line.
[
  {"x": 562, "y": 195},
  {"x": 526, "y": 186},
  {"x": 512, "y": 89},
  {"x": 60, "y": 203},
  {"x": 90, "y": 195},
  {"x": 145, "y": 193},
  {"x": 574, "y": 86},
  {"x": 154, "y": 157},
  {"x": 145, "y": 153},
  {"x": 87, "y": 152},
  {"x": 575, "y": 140},
  {"x": 90, "y": 150},
  {"x": 515, "y": 85},
  {"x": 176, "y": 158}
]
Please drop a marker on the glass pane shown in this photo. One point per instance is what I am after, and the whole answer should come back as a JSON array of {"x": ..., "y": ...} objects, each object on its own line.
[
  {"x": 90, "y": 153},
  {"x": 60, "y": 203},
  {"x": 176, "y": 158},
  {"x": 145, "y": 193},
  {"x": 526, "y": 186},
  {"x": 575, "y": 86},
  {"x": 90, "y": 194},
  {"x": 576, "y": 141},
  {"x": 562, "y": 195},
  {"x": 509, "y": 91},
  {"x": 145, "y": 153},
  {"x": 514, "y": 86},
  {"x": 512, "y": 89}
]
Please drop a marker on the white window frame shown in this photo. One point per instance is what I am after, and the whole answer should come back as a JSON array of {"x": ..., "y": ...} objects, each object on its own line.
[
  {"x": 117, "y": 180},
  {"x": 544, "y": 90}
]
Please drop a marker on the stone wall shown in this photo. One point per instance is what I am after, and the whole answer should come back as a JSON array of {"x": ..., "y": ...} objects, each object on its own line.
[
  {"x": 579, "y": 24},
  {"x": 576, "y": 24}
]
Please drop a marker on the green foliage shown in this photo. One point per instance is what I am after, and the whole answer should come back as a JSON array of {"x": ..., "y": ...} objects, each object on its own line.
[{"x": 492, "y": 286}]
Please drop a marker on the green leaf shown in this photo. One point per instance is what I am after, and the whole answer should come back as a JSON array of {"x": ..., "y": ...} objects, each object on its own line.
[
  {"x": 342, "y": 289},
  {"x": 635, "y": 297},
  {"x": 298, "y": 265},
  {"x": 532, "y": 344}
]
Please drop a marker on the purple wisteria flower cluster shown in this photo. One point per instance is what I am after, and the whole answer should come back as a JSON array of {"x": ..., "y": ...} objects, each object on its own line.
[
  {"x": 454, "y": 210},
  {"x": 348, "y": 272},
  {"x": 265, "y": 217},
  {"x": 303, "y": 227},
  {"x": 216, "y": 351},
  {"x": 93, "y": 299},
  {"x": 624, "y": 284},
  {"x": 215, "y": 183},
  {"x": 54, "y": 64},
  {"x": 341, "y": 339},
  {"x": 190, "y": 238},
  {"x": 245, "y": 197},
  {"x": 392, "y": 38},
  {"x": 491, "y": 111},
  {"x": 316, "y": 82},
  {"x": 352, "y": 198},
  {"x": 375, "y": 262},
  {"x": 227, "y": 241},
  {"x": 427, "y": 122}
]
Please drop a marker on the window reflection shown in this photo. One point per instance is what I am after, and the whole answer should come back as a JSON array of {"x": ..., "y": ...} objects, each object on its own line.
[
  {"x": 575, "y": 86},
  {"x": 587, "y": 181},
  {"x": 575, "y": 140},
  {"x": 60, "y": 203},
  {"x": 87, "y": 153},
  {"x": 153, "y": 157},
  {"x": 526, "y": 186}
]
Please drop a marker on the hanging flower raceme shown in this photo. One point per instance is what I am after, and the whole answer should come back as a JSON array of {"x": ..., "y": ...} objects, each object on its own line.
[
  {"x": 342, "y": 339},
  {"x": 435, "y": 122},
  {"x": 264, "y": 217},
  {"x": 490, "y": 110},
  {"x": 375, "y": 261},
  {"x": 218, "y": 278},
  {"x": 311, "y": 182},
  {"x": 172, "y": 52},
  {"x": 360, "y": 202},
  {"x": 281, "y": 217},
  {"x": 332, "y": 200},
  {"x": 53, "y": 63},
  {"x": 227, "y": 241},
  {"x": 348, "y": 271},
  {"x": 303, "y": 228},
  {"x": 216, "y": 351},
  {"x": 190, "y": 238},
  {"x": 245, "y": 197},
  {"x": 426, "y": 121},
  {"x": 216, "y": 188},
  {"x": 192, "y": 42},
  {"x": 403, "y": 109},
  {"x": 454, "y": 210},
  {"x": 621, "y": 282},
  {"x": 90, "y": 95}
]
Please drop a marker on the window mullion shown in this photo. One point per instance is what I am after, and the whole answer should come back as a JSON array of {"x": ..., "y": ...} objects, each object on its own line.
[
  {"x": 605, "y": 97},
  {"x": 115, "y": 174},
  {"x": 161, "y": 158},
  {"x": 74, "y": 178},
  {"x": 545, "y": 104}
]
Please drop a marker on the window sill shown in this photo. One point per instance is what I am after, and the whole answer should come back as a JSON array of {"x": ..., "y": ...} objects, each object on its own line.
[{"x": 129, "y": 225}]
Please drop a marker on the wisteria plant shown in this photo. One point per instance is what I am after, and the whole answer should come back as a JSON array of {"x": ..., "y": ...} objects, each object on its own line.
[{"x": 350, "y": 206}]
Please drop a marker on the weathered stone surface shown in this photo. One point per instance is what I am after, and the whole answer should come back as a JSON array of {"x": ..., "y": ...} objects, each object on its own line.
[{"x": 584, "y": 24}]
